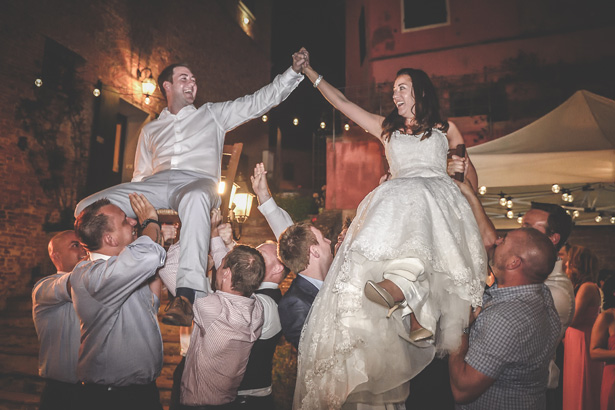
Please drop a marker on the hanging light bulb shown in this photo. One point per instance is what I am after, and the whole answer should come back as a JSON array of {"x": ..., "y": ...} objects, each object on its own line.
[
  {"x": 503, "y": 200},
  {"x": 96, "y": 92},
  {"x": 510, "y": 214},
  {"x": 323, "y": 125},
  {"x": 482, "y": 190},
  {"x": 613, "y": 219},
  {"x": 575, "y": 213},
  {"x": 598, "y": 218},
  {"x": 265, "y": 118},
  {"x": 347, "y": 126},
  {"x": 509, "y": 203},
  {"x": 295, "y": 121},
  {"x": 570, "y": 198},
  {"x": 565, "y": 197},
  {"x": 555, "y": 188},
  {"x": 38, "y": 82},
  {"x": 147, "y": 100},
  {"x": 520, "y": 219}
]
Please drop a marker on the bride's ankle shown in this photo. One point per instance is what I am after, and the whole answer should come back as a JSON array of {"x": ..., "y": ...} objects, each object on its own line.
[{"x": 393, "y": 290}]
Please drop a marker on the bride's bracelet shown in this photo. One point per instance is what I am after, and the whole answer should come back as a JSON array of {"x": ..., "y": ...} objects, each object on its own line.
[{"x": 317, "y": 81}]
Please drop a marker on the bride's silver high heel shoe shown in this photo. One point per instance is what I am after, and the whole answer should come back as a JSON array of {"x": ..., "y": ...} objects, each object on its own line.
[{"x": 381, "y": 296}]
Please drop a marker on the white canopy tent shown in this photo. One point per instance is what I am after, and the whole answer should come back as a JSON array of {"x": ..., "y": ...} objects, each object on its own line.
[{"x": 573, "y": 146}]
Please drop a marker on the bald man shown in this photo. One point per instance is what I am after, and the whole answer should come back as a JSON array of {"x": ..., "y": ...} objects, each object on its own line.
[{"x": 57, "y": 324}]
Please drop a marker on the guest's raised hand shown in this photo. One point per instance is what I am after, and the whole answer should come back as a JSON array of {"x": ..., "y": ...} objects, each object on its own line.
[
  {"x": 216, "y": 217},
  {"x": 226, "y": 234},
  {"x": 259, "y": 183}
]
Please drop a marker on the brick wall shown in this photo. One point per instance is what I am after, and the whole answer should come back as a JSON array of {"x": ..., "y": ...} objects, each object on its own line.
[
  {"x": 114, "y": 37},
  {"x": 599, "y": 239}
]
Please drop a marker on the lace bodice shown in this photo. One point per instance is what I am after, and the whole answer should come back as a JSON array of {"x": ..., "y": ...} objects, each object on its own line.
[{"x": 408, "y": 156}]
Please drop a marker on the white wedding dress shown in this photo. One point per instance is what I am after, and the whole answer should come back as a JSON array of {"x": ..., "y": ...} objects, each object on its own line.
[{"x": 418, "y": 223}]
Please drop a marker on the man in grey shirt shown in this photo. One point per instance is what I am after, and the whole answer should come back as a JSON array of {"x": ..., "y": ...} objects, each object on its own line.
[
  {"x": 117, "y": 304},
  {"x": 57, "y": 325}
]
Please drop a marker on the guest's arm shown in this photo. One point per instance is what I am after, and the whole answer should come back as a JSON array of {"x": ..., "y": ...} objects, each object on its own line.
[
  {"x": 277, "y": 218},
  {"x": 487, "y": 230},
  {"x": 467, "y": 383},
  {"x": 599, "y": 340}
]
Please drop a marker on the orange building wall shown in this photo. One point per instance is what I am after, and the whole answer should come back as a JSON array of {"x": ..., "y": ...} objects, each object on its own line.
[{"x": 354, "y": 167}]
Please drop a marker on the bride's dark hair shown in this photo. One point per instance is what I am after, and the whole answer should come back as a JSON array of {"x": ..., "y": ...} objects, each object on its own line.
[{"x": 426, "y": 108}]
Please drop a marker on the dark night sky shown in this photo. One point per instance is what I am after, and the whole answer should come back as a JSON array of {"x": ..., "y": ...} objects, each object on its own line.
[{"x": 317, "y": 25}]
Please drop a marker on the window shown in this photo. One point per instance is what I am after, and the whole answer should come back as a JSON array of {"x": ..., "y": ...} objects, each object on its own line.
[{"x": 422, "y": 14}]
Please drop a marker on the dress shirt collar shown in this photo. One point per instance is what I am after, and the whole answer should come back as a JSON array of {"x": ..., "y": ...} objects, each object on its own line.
[
  {"x": 268, "y": 285},
  {"x": 315, "y": 282},
  {"x": 95, "y": 256},
  {"x": 509, "y": 292},
  {"x": 185, "y": 111}
]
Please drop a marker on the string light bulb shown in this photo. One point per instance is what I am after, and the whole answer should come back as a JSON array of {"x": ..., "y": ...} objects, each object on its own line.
[
  {"x": 38, "y": 82},
  {"x": 555, "y": 188},
  {"x": 510, "y": 214},
  {"x": 520, "y": 219},
  {"x": 575, "y": 213},
  {"x": 570, "y": 198},
  {"x": 323, "y": 125},
  {"x": 598, "y": 218},
  {"x": 347, "y": 127},
  {"x": 295, "y": 121},
  {"x": 265, "y": 118},
  {"x": 565, "y": 197},
  {"x": 509, "y": 203},
  {"x": 147, "y": 100},
  {"x": 482, "y": 190},
  {"x": 502, "y": 200},
  {"x": 613, "y": 219},
  {"x": 96, "y": 92}
]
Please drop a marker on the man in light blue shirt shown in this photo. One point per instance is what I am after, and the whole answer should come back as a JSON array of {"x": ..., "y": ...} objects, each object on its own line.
[
  {"x": 116, "y": 298},
  {"x": 57, "y": 325}
]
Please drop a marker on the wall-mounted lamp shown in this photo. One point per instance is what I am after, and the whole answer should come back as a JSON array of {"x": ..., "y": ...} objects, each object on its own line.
[
  {"x": 241, "y": 205},
  {"x": 148, "y": 84}
]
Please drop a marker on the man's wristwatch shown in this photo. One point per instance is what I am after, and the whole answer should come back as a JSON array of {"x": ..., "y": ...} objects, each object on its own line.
[{"x": 149, "y": 221}]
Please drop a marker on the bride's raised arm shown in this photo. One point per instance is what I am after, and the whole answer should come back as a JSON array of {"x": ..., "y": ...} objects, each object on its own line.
[{"x": 368, "y": 121}]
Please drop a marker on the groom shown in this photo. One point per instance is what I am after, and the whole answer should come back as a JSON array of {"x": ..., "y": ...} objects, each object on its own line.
[{"x": 177, "y": 165}]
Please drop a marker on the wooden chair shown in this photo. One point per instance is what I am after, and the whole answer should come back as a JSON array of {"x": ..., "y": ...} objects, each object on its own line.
[{"x": 230, "y": 162}]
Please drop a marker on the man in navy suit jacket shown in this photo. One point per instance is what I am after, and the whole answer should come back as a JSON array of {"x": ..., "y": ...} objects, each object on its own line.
[{"x": 305, "y": 251}]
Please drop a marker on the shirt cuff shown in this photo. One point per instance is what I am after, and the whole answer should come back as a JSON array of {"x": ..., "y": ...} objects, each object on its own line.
[
  {"x": 269, "y": 206},
  {"x": 290, "y": 76}
]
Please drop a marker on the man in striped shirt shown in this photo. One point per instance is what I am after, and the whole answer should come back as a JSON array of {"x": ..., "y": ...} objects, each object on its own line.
[{"x": 226, "y": 325}]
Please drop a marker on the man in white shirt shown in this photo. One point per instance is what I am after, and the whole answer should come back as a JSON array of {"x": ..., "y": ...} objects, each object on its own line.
[
  {"x": 57, "y": 325},
  {"x": 553, "y": 221},
  {"x": 177, "y": 165}
]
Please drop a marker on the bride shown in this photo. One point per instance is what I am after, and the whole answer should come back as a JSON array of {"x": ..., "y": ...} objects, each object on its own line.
[{"x": 413, "y": 249}]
